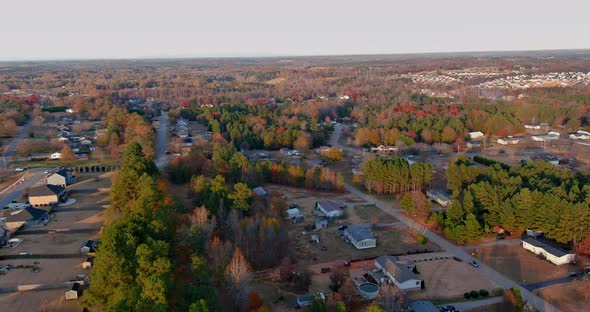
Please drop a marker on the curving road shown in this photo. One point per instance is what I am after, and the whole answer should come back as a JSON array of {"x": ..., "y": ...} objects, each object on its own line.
[{"x": 504, "y": 282}]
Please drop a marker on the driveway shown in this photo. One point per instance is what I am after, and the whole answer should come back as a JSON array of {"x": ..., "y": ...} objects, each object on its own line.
[
  {"x": 468, "y": 305},
  {"x": 13, "y": 144}
]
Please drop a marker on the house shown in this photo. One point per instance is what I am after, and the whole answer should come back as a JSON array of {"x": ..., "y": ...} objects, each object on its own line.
[
  {"x": 260, "y": 192},
  {"x": 580, "y": 135},
  {"x": 47, "y": 195},
  {"x": 397, "y": 273},
  {"x": 293, "y": 213},
  {"x": 360, "y": 235},
  {"x": 552, "y": 253},
  {"x": 533, "y": 127},
  {"x": 89, "y": 246},
  {"x": 30, "y": 216},
  {"x": 329, "y": 208},
  {"x": 550, "y": 136},
  {"x": 387, "y": 149},
  {"x": 56, "y": 155},
  {"x": 476, "y": 135},
  {"x": 422, "y": 306},
  {"x": 440, "y": 197},
  {"x": 321, "y": 224},
  {"x": 62, "y": 178},
  {"x": 73, "y": 292},
  {"x": 510, "y": 140}
]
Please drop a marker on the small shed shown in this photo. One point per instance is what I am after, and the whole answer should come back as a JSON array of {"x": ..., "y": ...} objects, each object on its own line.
[
  {"x": 73, "y": 292},
  {"x": 87, "y": 264},
  {"x": 321, "y": 224},
  {"x": 293, "y": 213}
]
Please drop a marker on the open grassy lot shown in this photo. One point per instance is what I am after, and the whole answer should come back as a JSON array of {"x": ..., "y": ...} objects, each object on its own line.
[
  {"x": 446, "y": 279},
  {"x": 523, "y": 266},
  {"x": 368, "y": 214},
  {"x": 573, "y": 296}
]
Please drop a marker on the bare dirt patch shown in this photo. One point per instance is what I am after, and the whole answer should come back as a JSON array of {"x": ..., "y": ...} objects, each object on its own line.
[
  {"x": 39, "y": 300},
  {"x": 51, "y": 271},
  {"x": 573, "y": 296},
  {"x": 449, "y": 279},
  {"x": 523, "y": 266}
]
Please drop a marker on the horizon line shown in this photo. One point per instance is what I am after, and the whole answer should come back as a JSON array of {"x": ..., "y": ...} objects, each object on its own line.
[{"x": 271, "y": 56}]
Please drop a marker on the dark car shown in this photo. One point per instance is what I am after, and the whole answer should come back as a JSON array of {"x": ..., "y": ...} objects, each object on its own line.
[
  {"x": 342, "y": 227},
  {"x": 447, "y": 308},
  {"x": 500, "y": 236},
  {"x": 325, "y": 270}
]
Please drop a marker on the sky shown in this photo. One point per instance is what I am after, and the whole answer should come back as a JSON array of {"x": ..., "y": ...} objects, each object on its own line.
[{"x": 78, "y": 29}]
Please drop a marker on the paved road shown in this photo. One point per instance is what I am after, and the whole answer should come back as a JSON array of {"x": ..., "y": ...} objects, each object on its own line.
[
  {"x": 504, "y": 282},
  {"x": 468, "y": 305},
  {"x": 23, "y": 132},
  {"x": 16, "y": 193},
  {"x": 548, "y": 283},
  {"x": 162, "y": 141}
]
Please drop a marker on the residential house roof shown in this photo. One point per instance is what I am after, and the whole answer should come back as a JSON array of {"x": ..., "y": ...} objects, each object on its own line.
[
  {"x": 46, "y": 190},
  {"x": 548, "y": 247},
  {"x": 329, "y": 205},
  {"x": 360, "y": 231},
  {"x": 260, "y": 191},
  {"x": 399, "y": 271},
  {"x": 24, "y": 214},
  {"x": 423, "y": 306}
]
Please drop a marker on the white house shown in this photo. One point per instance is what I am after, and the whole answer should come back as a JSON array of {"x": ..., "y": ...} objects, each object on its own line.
[
  {"x": 508, "y": 140},
  {"x": 56, "y": 155},
  {"x": 553, "y": 254},
  {"x": 360, "y": 235},
  {"x": 329, "y": 208},
  {"x": 580, "y": 135},
  {"x": 293, "y": 213},
  {"x": 439, "y": 197},
  {"x": 397, "y": 273},
  {"x": 476, "y": 135},
  {"x": 533, "y": 127}
]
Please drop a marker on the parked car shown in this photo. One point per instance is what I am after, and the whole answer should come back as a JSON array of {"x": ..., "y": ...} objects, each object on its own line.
[
  {"x": 500, "y": 236},
  {"x": 325, "y": 270},
  {"x": 342, "y": 227},
  {"x": 347, "y": 263},
  {"x": 447, "y": 308},
  {"x": 473, "y": 263}
]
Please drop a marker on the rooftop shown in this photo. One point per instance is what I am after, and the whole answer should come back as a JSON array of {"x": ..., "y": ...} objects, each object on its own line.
[{"x": 547, "y": 246}]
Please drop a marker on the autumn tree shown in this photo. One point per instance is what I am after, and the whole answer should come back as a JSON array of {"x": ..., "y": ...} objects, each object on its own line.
[{"x": 67, "y": 154}]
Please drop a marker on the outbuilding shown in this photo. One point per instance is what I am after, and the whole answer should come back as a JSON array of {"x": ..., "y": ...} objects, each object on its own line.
[
  {"x": 329, "y": 208},
  {"x": 552, "y": 253},
  {"x": 73, "y": 292}
]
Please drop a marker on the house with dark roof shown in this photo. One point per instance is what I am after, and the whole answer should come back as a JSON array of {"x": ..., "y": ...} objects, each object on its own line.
[
  {"x": 549, "y": 251},
  {"x": 422, "y": 306},
  {"x": 29, "y": 216},
  {"x": 260, "y": 192},
  {"x": 360, "y": 235},
  {"x": 62, "y": 178},
  {"x": 396, "y": 273},
  {"x": 329, "y": 208},
  {"x": 47, "y": 195},
  {"x": 89, "y": 246}
]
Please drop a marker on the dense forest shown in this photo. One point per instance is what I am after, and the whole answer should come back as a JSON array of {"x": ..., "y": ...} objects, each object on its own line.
[{"x": 534, "y": 195}]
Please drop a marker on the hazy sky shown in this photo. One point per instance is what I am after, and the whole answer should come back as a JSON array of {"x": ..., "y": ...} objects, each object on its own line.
[{"x": 63, "y": 29}]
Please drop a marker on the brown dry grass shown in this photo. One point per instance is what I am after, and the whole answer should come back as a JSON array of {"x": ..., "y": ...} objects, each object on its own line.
[{"x": 573, "y": 296}]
